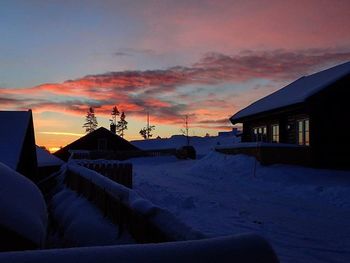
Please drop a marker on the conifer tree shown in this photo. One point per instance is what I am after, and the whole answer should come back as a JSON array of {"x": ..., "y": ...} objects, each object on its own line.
[
  {"x": 90, "y": 121},
  {"x": 115, "y": 113},
  {"x": 122, "y": 125}
]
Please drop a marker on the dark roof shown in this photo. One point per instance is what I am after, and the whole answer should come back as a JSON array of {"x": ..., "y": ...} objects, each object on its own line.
[
  {"x": 14, "y": 126},
  {"x": 90, "y": 142},
  {"x": 296, "y": 92}
]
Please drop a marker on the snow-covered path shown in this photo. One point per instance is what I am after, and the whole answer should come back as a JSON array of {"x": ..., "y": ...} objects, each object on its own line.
[{"x": 304, "y": 213}]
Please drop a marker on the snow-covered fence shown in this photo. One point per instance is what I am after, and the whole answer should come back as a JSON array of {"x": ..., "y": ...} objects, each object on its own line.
[
  {"x": 146, "y": 222},
  {"x": 244, "y": 248},
  {"x": 122, "y": 155},
  {"x": 117, "y": 172}
]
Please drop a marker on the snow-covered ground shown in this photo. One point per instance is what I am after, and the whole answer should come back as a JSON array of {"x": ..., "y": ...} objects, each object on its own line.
[
  {"x": 303, "y": 212},
  {"x": 202, "y": 144}
]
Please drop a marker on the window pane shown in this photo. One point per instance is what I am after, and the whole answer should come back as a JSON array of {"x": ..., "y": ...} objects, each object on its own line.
[
  {"x": 306, "y": 125},
  {"x": 307, "y": 136}
]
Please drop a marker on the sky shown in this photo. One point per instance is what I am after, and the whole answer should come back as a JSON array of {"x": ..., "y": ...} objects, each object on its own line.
[{"x": 203, "y": 58}]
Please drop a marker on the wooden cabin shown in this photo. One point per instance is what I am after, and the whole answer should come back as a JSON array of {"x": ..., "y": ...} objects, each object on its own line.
[
  {"x": 17, "y": 142},
  {"x": 99, "y": 141},
  {"x": 312, "y": 112}
]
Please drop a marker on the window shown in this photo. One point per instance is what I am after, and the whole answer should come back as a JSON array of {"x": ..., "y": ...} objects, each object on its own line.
[
  {"x": 259, "y": 134},
  {"x": 275, "y": 134},
  {"x": 303, "y": 132}
]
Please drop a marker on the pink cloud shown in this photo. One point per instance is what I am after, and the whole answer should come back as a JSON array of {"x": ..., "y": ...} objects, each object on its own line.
[{"x": 156, "y": 90}]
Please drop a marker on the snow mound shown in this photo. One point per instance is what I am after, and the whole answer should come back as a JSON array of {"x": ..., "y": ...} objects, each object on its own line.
[
  {"x": 22, "y": 206},
  {"x": 82, "y": 223},
  {"x": 203, "y": 145}
]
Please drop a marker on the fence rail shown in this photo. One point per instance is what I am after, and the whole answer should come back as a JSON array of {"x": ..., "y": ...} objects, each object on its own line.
[
  {"x": 140, "y": 228},
  {"x": 120, "y": 173}
]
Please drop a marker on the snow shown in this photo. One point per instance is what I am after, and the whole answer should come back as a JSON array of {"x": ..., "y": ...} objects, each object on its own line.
[
  {"x": 22, "y": 206},
  {"x": 82, "y": 223},
  {"x": 303, "y": 212},
  {"x": 12, "y": 134},
  {"x": 201, "y": 144},
  {"x": 162, "y": 218},
  {"x": 46, "y": 159},
  {"x": 224, "y": 249},
  {"x": 259, "y": 145},
  {"x": 296, "y": 92}
]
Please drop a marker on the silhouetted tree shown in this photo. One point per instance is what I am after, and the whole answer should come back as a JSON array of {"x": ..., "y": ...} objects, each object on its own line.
[
  {"x": 122, "y": 125},
  {"x": 145, "y": 132},
  {"x": 90, "y": 121},
  {"x": 115, "y": 113}
]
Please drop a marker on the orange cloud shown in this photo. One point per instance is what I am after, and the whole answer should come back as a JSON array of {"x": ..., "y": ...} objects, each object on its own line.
[{"x": 158, "y": 90}]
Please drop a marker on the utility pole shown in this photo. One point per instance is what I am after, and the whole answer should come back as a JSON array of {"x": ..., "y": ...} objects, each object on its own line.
[
  {"x": 148, "y": 125},
  {"x": 186, "y": 127}
]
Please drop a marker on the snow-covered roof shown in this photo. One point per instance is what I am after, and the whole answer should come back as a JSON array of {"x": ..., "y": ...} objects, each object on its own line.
[
  {"x": 22, "y": 205},
  {"x": 14, "y": 126},
  {"x": 296, "y": 92},
  {"x": 46, "y": 159}
]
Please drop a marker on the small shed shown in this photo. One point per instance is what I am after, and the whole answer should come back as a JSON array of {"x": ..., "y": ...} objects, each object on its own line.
[
  {"x": 17, "y": 142},
  {"x": 100, "y": 141},
  {"x": 47, "y": 163},
  {"x": 312, "y": 112}
]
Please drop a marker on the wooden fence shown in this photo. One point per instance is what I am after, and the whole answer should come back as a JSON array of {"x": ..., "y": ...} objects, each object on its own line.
[
  {"x": 120, "y": 173},
  {"x": 123, "y": 155},
  {"x": 140, "y": 228}
]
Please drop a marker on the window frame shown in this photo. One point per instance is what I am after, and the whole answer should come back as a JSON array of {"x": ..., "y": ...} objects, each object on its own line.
[
  {"x": 303, "y": 132},
  {"x": 273, "y": 135},
  {"x": 260, "y": 133}
]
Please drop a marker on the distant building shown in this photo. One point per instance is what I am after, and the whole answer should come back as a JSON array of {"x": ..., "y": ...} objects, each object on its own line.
[
  {"x": 47, "y": 163},
  {"x": 234, "y": 132},
  {"x": 17, "y": 142},
  {"x": 98, "y": 141},
  {"x": 312, "y": 112}
]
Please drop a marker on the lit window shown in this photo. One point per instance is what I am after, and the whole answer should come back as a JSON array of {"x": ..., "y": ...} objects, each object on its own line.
[
  {"x": 303, "y": 132},
  {"x": 260, "y": 134},
  {"x": 275, "y": 133}
]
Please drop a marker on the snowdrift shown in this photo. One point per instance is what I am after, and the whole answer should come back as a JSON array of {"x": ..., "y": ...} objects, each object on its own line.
[{"x": 22, "y": 206}]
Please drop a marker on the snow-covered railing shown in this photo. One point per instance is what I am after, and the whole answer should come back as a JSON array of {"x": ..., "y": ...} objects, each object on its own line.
[
  {"x": 146, "y": 222},
  {"x": 244, "y": 248},
  {"x": 121, "y": 155},
  {"x": 114, "y": 170}
]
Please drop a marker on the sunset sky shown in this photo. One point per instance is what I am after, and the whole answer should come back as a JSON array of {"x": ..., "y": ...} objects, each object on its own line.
[{"x": 206, "y": 59}]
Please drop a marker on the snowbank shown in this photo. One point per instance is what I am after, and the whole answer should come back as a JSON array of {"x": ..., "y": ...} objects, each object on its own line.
[
  {"x": 245, "y": 248},
  {"x": 303, "y": 212},
  {"x": 83, "y": 224},
  {"x": 202, "y": 144},
  {"x": 22, "y": 206}
]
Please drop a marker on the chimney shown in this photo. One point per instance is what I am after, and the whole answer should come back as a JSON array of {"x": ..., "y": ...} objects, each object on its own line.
[{"x": 113, "y": 128}]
